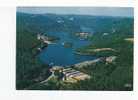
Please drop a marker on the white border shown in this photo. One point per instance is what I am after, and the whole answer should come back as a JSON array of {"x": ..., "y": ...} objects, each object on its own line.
[
  {"x": 123, "y": 3},
  {"x": 7, "y": 54}
]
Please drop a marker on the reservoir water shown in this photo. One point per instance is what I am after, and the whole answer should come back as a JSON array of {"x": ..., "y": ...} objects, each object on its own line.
[{"x": 59, "y": 55}]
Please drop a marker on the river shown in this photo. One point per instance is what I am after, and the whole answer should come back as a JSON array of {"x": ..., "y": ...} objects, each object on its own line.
[{"x": 57, "y": 54}]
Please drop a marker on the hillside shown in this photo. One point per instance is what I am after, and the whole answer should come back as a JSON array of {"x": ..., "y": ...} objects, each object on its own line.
[{"x": 112, "y": 36}]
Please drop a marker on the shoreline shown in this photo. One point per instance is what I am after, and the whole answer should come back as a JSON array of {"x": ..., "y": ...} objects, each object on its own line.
[{"x": 83, "y": 54}]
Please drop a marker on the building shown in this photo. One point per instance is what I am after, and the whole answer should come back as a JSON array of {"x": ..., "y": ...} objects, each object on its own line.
[
  {"x": 73, "y": 76},
  {"x": 44, "y": 38},
  {"x": 110, "y": 59},
  {"x": 55, "y": 68},
  {"x": 82, "y": 35},
  {"x": 105, "y": 34},
  {"x": 70, "y": 75}
]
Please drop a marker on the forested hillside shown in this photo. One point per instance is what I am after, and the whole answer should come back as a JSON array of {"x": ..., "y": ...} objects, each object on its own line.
[{"x": 114, "y": 33}]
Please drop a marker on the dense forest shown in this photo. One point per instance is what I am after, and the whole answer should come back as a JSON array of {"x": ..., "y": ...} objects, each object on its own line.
[
  {"x": 113, "y": 76},
  {"x": 28, "y": 68}
]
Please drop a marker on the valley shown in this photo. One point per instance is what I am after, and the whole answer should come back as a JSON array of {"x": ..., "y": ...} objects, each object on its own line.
[{"x": 74, "y": 52}]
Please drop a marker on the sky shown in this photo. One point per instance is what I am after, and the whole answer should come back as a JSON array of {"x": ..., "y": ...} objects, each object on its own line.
[{"x": 98, "y": 11}]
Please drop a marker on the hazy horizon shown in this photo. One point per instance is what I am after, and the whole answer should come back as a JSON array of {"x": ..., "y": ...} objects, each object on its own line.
[{"x": 96, "y": 11}]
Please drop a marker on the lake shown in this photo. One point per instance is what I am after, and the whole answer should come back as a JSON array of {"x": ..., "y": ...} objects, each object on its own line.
[{"x": 57, "y": 54}]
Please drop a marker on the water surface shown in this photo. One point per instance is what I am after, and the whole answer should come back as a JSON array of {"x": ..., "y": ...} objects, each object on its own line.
[{"x": 57, "y": 54}]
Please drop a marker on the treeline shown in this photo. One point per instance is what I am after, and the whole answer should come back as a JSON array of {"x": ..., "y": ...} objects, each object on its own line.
[
  {"x": 112, "y": 76},
  {"x": 115, "y": 76},
  {"x": 45, "y": 23},
  {"x": 28, "y": 68}
]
